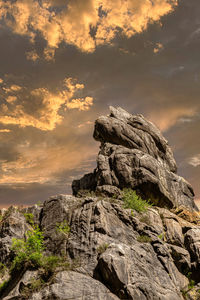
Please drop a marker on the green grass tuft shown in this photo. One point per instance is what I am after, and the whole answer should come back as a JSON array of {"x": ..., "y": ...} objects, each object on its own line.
[
  {"x": 63, "y": 227},
  {"x": 29, "y": 218},
  {"x": 144, "y": 239},
  {"x": 102, "y": 248},
  {"x": 133, "y": 201}
]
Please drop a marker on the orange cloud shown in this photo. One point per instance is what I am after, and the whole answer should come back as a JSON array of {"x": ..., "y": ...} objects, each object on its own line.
[
  {"x": 11, "y": 99},
  {"x": 47, "y": 105},
  {"x": 167, "y": 118},
  {"x": 32, "y": 55},
  {"x": 158, "y": 48},
  {"x": 49, "y": 53},
  {"x": 5, "y": 130},
  {"x": 73, "y": 22},
  {"x": 81, "y": 103},
  {"x": 40, "y": 163},
  {"x": 12, "y": 88}
]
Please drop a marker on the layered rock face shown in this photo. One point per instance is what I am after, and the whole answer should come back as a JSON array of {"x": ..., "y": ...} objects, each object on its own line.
[
  {"x": 134, "y": 154},
  {"x": 115, "y": 253}
]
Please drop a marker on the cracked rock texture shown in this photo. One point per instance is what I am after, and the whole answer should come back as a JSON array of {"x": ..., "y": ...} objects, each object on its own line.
[
  {"x": 134, "y": 154},
  {"x": 109, "y": 260}
]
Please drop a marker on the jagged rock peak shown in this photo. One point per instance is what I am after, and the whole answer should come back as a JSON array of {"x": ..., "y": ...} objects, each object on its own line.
[
  {"x": 134, "y": 132},
  {"x": 134, "y": 154}
]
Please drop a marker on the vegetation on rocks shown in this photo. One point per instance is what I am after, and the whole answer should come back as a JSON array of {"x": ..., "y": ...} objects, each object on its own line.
[
  {"x": 102, "y": 248},
  {"x": 144, "y": 239},
  {"x": 28, "y": 251},
  {"x": 3, "y": 269},
  {"x": 35, "y": 285},
  {"x": 29, "y": 218},
  {"x": 29, "y": 254},
  {"x": 63, "y": 227},
  {"x": 133, "y": 201}
]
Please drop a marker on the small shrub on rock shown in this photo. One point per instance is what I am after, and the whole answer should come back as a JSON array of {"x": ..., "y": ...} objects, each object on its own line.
[
  {"x": 63, "y": 227},
  {"x": 28, "y": 251},
  {"x": 3, "y": 269},
  {"x": 50, "y": 263},
  {"x": 102, "y": 248},
  {"x": 29, "y": 218},
  {"x": 133, "y": 201},
  {"x": 144, "y": 239}
]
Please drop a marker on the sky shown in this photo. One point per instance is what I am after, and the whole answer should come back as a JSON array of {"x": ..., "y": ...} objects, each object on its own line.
[{"x": 63, "y": 63}]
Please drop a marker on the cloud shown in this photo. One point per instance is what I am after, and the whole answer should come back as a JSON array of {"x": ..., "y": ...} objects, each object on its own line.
[
  {"x": 198, "y": 203},
  {"x": 12, "y": 88},
  {"x": 32, "y": 55},
  {"x": 42, "y": 164},
  {"x": 168, "y": 117},
  {"x": 158, "y": 48},
  {"x": 11, "y": 99},
  {"x": 194, "y": 160},
  {"x": 5, "y": 130},
  {"x": 84, "y": 24},
  {"x": 49, "y": 53},
  {"x": 40, "y": 107},
  {"x": 81, "y": 103},
  {"x": 85, "y": 124}
]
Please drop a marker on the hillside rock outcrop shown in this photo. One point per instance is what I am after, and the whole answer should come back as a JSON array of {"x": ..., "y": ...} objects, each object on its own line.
[
  {"x": 113, "y": 253},
  {"x": 134, "y": 154}
]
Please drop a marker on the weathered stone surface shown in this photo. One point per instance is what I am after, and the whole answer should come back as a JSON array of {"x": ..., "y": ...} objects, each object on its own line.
[
  {"x": 93, "y": 223},
  {"x": 35, "y": 211},
  {"x": 152, "y": 218},
  {"x": 13, "y": 225},
  {"x": 134, "y": 154},
  {"x": 73, "y": 285},
  {"x": 134, "y": 132},
  {"x": 56, "y": 210},
  {"x": 136, "y": 273},
  {"x": 181, "y": 258},
  {"x": 97, "y": 224},
  {"x": 173, "y": 230},
  {"x": 192, "y": 243},
  {"x": 106, "y": 250},
  {"x": 189, "y": 216},
  {"x": 26, "y": 280}
]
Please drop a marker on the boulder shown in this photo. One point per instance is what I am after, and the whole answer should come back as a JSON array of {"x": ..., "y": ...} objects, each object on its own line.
[
  {"x": 136, "y": 273},
  {"x": 134, "y": 154},
  {"x": 172, "y": 228},
  {"x": 192, "y": 244},
  {"x": 181, "y": 258},
  {"x": 73, "y": 285}
]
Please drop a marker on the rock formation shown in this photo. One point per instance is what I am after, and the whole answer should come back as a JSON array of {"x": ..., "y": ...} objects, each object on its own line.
[
  {"x": 110, "y": 252},
  {"x": 134, "y": 154},
  {"x": 108, "y": 257}
]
